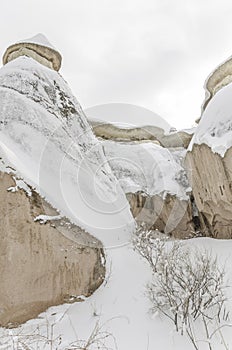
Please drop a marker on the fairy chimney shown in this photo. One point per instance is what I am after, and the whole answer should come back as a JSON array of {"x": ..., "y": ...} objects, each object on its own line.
[
  {"x": 219, "y": 78},
  {"x": 38, "y": 48}
]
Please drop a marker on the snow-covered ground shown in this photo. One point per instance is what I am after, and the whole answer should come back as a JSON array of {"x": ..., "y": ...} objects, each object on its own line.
[{"x": 122, "y": 308}]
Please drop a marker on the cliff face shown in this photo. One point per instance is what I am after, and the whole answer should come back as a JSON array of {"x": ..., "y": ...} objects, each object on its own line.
[
  {"x": 170, "y": 215},
  {"x": 210, "y": 168},
  {"x": 156, "y": 185},
  {"x": 211, "y": 178},
  {"x": 41, "y": 264}
]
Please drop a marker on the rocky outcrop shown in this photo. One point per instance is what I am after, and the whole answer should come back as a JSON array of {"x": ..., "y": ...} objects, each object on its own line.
[
  {"x": 37, "y": 48},
  {"x": 169, "y": 215},
  {"x": 219, "y": 78},
  {"x": 155, "y": 184},
  {"x": 109, "y": 131},
  {"x": 211, "y": 178},
  {"x": 41, "y": 264},
  {"x": 43, "y": 123}
]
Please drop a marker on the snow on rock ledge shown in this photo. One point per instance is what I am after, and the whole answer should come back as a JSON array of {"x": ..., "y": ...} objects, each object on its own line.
[
  {"x": 215, "y": 127},
  {"x": 218, "y": 79},
  {"x": 155, "y": 183},
  {"x": 38, "y": 48},
  {"x": 45, "y": 136}
]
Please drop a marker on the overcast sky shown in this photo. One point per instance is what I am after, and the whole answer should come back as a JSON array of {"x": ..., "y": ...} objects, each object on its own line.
[{"x": 152, "y": 53}]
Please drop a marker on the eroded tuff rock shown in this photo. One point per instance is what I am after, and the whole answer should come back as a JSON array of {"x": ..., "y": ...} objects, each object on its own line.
[
  {"x": 211, "y": 178},
  {"x": 42, "y": 123},
  {"x": 220, "y": 77},
  {"x": 109, "y": 131},
  {"x": 169, "y": 215},
  {"x": 37, "y": 48},
  {"x": 41, "y": 264},
  {"x": 155, "y": 183}
]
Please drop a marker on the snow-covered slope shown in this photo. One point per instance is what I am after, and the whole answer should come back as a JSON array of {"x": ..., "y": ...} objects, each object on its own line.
[
  {"x": 215, "y": 127},
  {"x": 45, "y": 136},
  {"x": 147, "y": 167}
]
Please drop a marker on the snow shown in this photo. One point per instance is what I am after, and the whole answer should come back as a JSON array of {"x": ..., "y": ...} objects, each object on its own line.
[
  {"x": 126, "y": 116},
  {"x": 20, "y": 185},
  {"x": 215, "y": 127},
  {"x": 189, "y": 131},
  {"x": 122, "y": 307},
  {"x": 43, "y": 219},
  {"x": 148, "y": 167},
  {"x": 45, "y": 136},
  {"x": 38, "y": 39}
]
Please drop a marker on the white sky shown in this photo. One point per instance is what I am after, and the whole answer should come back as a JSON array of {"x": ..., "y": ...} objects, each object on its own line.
[{"x": 151, "y": 53}]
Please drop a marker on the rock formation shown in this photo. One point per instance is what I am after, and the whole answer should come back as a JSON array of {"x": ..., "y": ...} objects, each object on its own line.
[
  {"x": 211, "y": 178},
  {"x": 46, "y": 138},
  {"x": 220, "y": 77},
  {"x": 37, "y": 48},
  {"x": 170, "y": 215},
  {"x": 41, "y": 264},
  {"x": 148, "y": 133},
  {"x": 210, "y": 168},
  {"x": 156, "y": 186},
  {"x": 41, "y": 120}
]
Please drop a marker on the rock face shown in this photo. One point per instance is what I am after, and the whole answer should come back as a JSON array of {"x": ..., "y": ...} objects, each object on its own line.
[
  {"x": 155, "y": 184},
  {"x": 209, "y": 165},
  {"x": 211, "y": 177},
  {"x": 37, "y": 48},
  {"x": 41, "y": 264},
  {"x": 109, "y": 131},
  {"x": 220, "y": 77},
  {"x": 169, "y": 215}
]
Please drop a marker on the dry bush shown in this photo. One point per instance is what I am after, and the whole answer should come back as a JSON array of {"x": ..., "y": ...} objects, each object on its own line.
[
  {"x": 15, "y": 339},
  {"x": 187, "y": 286}
]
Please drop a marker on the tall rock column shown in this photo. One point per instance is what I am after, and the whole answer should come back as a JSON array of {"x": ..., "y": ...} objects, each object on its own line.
[{"x": 209, "y": 165}]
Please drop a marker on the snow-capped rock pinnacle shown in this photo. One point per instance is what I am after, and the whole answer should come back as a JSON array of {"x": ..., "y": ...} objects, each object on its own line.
[{"x": 39, "y": 48}]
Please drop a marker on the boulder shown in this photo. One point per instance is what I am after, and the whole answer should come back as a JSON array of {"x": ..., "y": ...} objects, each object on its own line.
[{"x": 41, "y": 264}]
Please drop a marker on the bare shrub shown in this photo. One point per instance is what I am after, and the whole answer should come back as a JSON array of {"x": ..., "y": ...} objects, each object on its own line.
[
  {"x": 16, "y": 339},
  {"x": 96, "y": 340},
  {"x": 187, "y": 285}
]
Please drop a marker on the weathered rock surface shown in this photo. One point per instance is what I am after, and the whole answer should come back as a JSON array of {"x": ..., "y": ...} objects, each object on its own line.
[
  {"x": 220, "y": 77},
  {"x": 171, "y": 215},
  {"x": 156, "y": 185},
  {"x": 41, "y": 264},
  {"x": 210, "y": 176},
  {"x": 109, "y": 131},
  {"x": 37, "y": 48}
]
